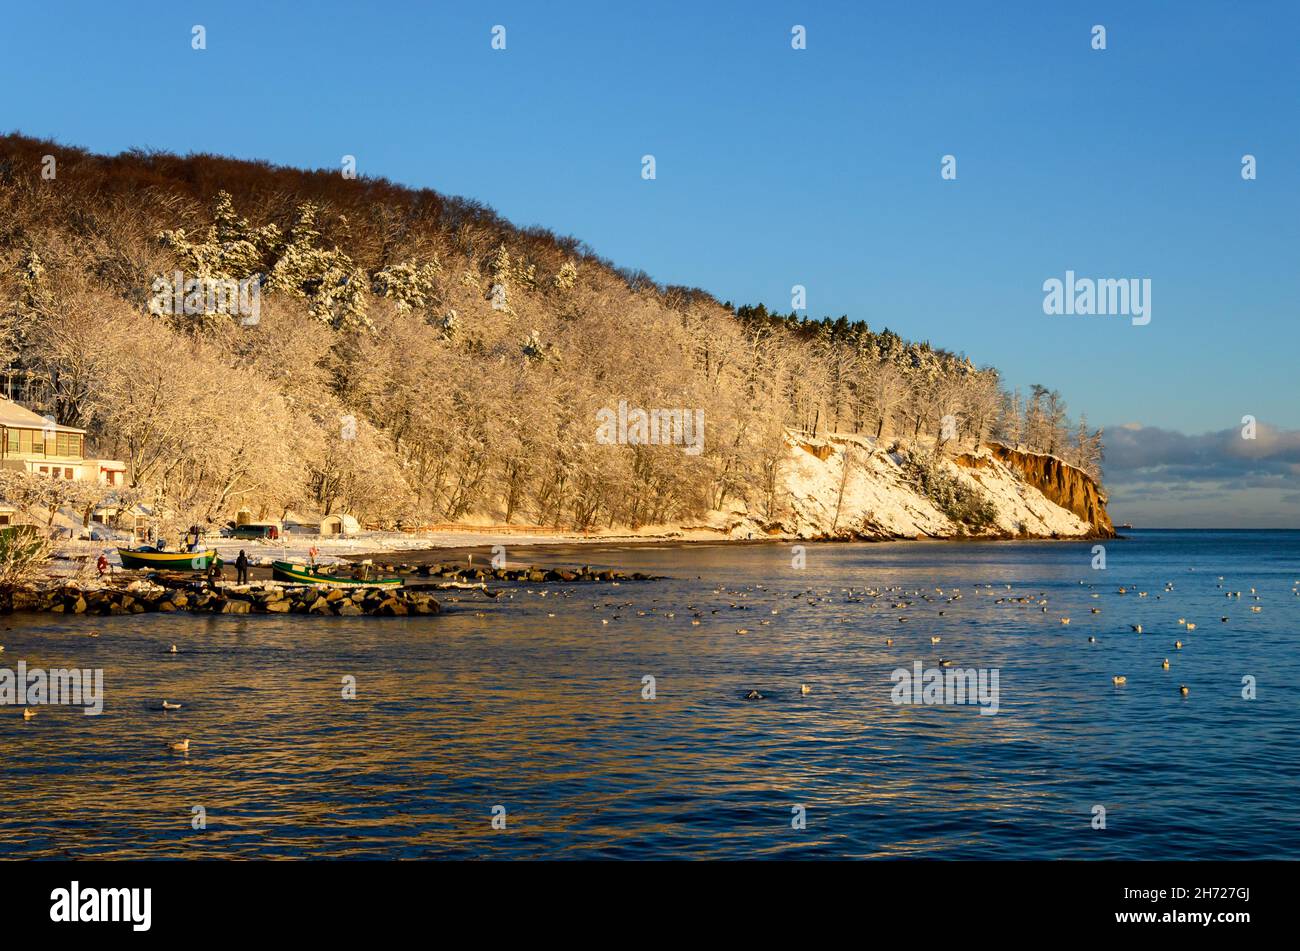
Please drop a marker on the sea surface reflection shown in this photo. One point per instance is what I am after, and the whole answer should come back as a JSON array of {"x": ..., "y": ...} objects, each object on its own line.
[{"x": 501, "y": 703}]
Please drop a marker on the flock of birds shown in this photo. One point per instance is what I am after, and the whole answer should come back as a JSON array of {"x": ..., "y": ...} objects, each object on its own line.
[
  {"x": 180, "y": 746},
  {"x": 900, "y": 599},
  {"x": 895, "y": 598}
]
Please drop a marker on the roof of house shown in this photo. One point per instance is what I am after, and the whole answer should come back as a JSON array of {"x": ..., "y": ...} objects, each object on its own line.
[
  {"x": 142, "y": 511},
  {"x": 11, "y": 414}
]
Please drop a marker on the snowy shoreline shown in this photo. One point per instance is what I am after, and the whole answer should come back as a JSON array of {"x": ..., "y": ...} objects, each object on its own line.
[
  {"x": 838, "y": 488},
  {"x": 70, "y": 555}
]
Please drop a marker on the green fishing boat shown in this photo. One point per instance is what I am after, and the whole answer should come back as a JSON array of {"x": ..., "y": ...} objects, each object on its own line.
[
  {"x": 167, "y": 560},
  {"x": 306, "y": 574}
]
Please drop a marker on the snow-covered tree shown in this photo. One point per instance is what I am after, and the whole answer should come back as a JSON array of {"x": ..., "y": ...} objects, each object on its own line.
[
  {"x": 333, "y": 286},
  {"x": 412, "y": 287},
  {"x": 567, "y": 276}
]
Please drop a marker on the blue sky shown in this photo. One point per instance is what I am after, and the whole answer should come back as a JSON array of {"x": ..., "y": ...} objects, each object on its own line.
[{"x": 817, "y": 167}]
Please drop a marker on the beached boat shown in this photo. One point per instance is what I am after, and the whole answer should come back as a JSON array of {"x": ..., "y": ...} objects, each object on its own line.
[
  {"x": 167, "y": 560},
  {"x": 306, "y": 574}
]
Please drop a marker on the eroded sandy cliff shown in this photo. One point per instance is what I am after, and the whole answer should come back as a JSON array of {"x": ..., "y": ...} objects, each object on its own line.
[{"x": 844, "y": 486}]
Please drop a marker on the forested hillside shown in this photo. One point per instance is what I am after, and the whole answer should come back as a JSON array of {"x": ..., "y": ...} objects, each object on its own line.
[{"x": 416, "y": 359}]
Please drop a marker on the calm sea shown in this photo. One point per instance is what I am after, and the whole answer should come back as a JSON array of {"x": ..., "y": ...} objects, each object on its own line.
[{"x": 532, "y": 704}]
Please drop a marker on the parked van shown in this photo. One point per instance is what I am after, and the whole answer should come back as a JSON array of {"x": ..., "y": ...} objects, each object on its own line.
[{"x": 253, "y": 530}]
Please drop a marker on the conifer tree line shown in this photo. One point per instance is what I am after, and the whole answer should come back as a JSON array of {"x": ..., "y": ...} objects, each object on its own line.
[
  {"x": 415, "y": 359},
  {"x": 860, "y": 381}
]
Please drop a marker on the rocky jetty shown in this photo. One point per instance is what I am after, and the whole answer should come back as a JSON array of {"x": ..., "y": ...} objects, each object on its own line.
[
  {"x": 167, "y": 591},
  {"x": 141, "y": 597},
  {"x": 527, "y": 574}
]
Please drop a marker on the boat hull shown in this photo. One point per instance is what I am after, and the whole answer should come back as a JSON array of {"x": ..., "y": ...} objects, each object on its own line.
[
  {"x": 305, "y": 574},
  {"x": 168, "y": 560}
]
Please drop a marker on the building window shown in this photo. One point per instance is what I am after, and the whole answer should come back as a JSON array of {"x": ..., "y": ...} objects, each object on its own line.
[
  {"x": 11, "y": 440},
  {"x": 4, "y": 520},
  {"x": 68, "y": 445},
  {"x": 67, "y": 473},
  {"x": 45, "y": 470},
  {"x": 25, "y": 441}
]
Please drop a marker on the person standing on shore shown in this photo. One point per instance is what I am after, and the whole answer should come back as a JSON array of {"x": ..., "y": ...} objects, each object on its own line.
[
  {"x": 214, "y": 575},
  {"x": 241, "y": 568}
]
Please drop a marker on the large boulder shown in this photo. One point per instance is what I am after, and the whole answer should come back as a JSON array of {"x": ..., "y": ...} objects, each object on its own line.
[{"x": 391, "y": 607}]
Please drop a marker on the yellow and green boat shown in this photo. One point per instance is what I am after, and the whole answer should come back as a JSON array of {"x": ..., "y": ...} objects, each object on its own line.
[
  {"x": 306, "y": 574},
  {"x": 167, "y": 560}
]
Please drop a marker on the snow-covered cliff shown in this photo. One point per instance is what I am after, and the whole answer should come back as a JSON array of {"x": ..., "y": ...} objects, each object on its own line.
[{"x": 845, "y": 486}]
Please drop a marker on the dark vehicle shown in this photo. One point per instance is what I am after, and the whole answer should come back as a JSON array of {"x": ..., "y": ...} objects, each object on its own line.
[{"x": 255, "y": 531}]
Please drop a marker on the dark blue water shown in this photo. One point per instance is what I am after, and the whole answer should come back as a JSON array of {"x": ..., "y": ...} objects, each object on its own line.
[{"x": 498, "y": 703}]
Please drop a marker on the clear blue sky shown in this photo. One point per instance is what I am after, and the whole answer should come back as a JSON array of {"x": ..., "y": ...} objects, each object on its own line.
[{"x": 775, "y": 167}]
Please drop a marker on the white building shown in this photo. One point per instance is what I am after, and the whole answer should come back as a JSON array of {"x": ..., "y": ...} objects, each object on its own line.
[{"x": 38, "y": 444}]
